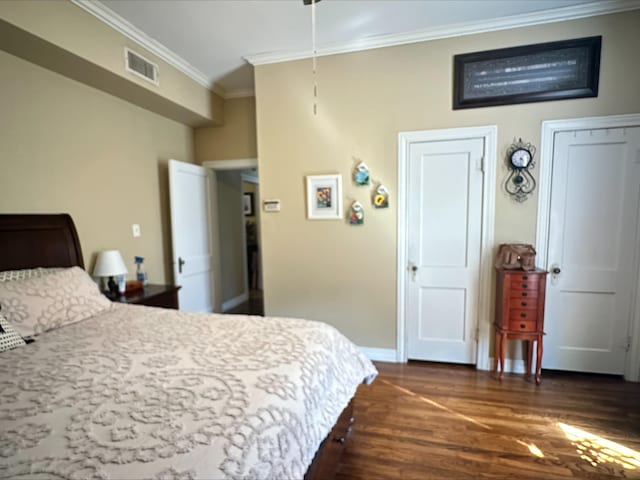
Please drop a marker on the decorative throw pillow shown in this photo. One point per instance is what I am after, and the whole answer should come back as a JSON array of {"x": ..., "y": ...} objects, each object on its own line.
[
  {"x": 12, "y": 275},
  {"x": 9, "y": 338},
  {"x": 35, "y": 305}
]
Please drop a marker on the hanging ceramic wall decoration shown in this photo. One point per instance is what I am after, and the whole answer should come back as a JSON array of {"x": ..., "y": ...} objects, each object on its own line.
[
  {"x": 361, "y": 175},
  {"x": 356, "y": 214},
  {"x": 381, "y": 197}
]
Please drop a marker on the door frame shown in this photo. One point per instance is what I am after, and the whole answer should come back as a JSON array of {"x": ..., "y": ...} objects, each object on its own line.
[
  {"x": 224, "y": 165},
  {"x": 548, "y": 131},
  {"x": 483, "y": 328}
]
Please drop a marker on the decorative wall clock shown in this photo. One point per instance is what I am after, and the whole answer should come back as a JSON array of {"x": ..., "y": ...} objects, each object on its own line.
[{"x": 520, "y": 183}]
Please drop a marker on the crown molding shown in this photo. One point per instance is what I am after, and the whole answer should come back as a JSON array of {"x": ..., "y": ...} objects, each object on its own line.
[
  {"x": 455, "y": 30},
  {"x": 115, "y": 21},
  {"x": 240, "y": 93},
  {"x": 218, "y": 90}
]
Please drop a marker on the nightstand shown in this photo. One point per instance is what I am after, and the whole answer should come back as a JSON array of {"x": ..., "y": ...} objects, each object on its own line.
[
  {"x": 165, "y": 296},
  {"x": 520, "y": 314}
]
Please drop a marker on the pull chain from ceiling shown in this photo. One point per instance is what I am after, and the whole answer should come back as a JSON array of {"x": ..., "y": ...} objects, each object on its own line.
[{"x": 313, "y": 46}]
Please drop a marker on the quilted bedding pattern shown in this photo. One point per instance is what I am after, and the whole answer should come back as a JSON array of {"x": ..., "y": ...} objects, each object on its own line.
[{"x": 141, "y": 392}]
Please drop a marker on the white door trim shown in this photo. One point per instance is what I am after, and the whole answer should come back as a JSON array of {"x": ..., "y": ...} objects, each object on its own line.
[
  {"x": 549, "y": 129},
  {"x": 225, "y": 165},
  {"x": 405, "y": 139}
]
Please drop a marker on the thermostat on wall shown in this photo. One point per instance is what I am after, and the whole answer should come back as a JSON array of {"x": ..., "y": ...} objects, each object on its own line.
[{"x": 272, "y": 205}]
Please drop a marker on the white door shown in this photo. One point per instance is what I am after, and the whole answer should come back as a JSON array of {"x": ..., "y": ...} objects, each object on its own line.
[
  {"x": 444, "y": 246},
  {"x": 593, "y": 248},
  {"x": 189, "y": 190}
]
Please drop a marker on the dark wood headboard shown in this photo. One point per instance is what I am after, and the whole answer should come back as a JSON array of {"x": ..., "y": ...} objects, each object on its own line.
[{"x": 39, "y": 240}]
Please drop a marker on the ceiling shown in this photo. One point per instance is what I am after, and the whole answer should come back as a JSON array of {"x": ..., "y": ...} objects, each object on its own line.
[{"x": 216, "y": 37}]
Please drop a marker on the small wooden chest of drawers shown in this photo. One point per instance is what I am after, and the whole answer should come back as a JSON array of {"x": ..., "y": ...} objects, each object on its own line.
[
  {"x": 520, "y": 297},
  {"x": 164, "y": 296}
]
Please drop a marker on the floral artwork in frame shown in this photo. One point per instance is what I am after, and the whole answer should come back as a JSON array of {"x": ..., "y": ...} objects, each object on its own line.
[{"x": 324, "y": 197}]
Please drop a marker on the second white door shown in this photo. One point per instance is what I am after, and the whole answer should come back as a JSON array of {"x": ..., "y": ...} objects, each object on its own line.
[
  {"x": 444, "y": 247},
  {"x": 593, "y": 249}
]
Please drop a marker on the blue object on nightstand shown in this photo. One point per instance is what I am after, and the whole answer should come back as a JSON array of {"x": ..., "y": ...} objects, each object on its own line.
[{"x": 141, "y": 275}]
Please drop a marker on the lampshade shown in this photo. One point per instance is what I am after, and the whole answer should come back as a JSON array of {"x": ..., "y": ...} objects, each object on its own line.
[{"x": 109, "y": 264}]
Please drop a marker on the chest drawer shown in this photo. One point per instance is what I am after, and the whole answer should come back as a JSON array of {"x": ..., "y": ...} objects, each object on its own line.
[
  {"x": 523, "y": 303},
  {"x": 520, "y": 293},
  {"x": 523, "y": 277},
  {"x": 521, "y": 326},
  {"x": 525, "y": 284},
  {"x": 520, "y": 300},
  {"x": 516, "y": 315}
]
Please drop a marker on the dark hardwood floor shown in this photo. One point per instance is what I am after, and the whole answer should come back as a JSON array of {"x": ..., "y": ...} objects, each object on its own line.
[
  {"x": 253, "y": 306},
  {"x": 433, "y": 421}
]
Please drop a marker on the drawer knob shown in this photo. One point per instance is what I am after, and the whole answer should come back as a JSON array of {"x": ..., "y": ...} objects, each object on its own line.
[
  {"x": 525, "y": 277},
  {"x": 523, "y": 315},
  {"x": 524, "y": 304},
  {"x": 524, "y": 294},
  {"x": 524, "y": 285},
  {"x": 523, "y": 326}
]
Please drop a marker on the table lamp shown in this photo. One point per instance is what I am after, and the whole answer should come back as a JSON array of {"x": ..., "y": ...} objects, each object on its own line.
[{"x": 110, "y": 264}]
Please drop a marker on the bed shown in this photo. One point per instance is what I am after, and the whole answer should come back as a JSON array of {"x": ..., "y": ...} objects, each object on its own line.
[{"x": 143, "y": 392}]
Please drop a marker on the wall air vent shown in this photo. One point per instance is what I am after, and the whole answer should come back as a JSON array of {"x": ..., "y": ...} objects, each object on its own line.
[{"x": 140, "y": 66}]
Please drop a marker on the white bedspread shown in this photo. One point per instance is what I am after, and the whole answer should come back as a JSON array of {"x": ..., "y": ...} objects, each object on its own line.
[{"x": 140, "y": 392}]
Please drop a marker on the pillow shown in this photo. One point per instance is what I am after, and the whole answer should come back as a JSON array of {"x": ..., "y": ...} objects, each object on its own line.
[
  {"x": 35, "y": 305},
  {"x": 9, "y": 338},
  {"x": 11, "y": 275}
]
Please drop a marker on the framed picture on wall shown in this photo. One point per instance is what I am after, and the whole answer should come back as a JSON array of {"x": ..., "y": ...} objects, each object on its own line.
[
  {"x": 529, "y": 73},
  {"x": 247, "y": 204},
  {"x": 324, "y": 197}
]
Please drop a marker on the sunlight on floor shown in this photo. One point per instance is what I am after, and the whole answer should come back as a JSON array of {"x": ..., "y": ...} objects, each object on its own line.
[
  {"x": 436, "y": 404},
  {"x": 595, "y": 449},
  {"x": 535, "y": 451}
]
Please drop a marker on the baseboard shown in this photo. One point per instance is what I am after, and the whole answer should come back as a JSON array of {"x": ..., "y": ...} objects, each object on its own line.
[
  {"x": 380, "y": 354},
  {"x": 234, "y": 302},
  {"x": 515, "y": 366},
  {"x": 389, "y": 355}
]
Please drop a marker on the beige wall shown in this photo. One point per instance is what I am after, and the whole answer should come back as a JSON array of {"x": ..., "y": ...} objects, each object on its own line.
[
  {"x": 347, "y": 276},
  {"x": 66, "y": 147},
  {"x": 231, "y": 231},
  {"x": 235, "y": 139},
  {"x": 63, "y": 37}
]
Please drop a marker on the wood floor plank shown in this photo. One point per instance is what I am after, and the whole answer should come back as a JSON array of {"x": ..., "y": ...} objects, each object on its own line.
[{"x": 434, "y": 421}]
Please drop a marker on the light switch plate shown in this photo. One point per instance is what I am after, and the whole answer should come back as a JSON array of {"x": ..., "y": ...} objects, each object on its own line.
[
  {"x": 135, "y": 228},
  {"x": 271, "y": 205}
]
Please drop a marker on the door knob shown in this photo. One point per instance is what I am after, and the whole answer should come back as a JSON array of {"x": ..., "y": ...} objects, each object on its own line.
[
  {"x": 181, "y": 262},
  {"x": 413, "y": 268},
  {"x": 555, "y": 273}
]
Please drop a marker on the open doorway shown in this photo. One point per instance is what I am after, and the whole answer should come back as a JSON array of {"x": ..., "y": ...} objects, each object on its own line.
[
  {"x": 250, "y": 194},
  {"x": 236, "y": 231}
]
